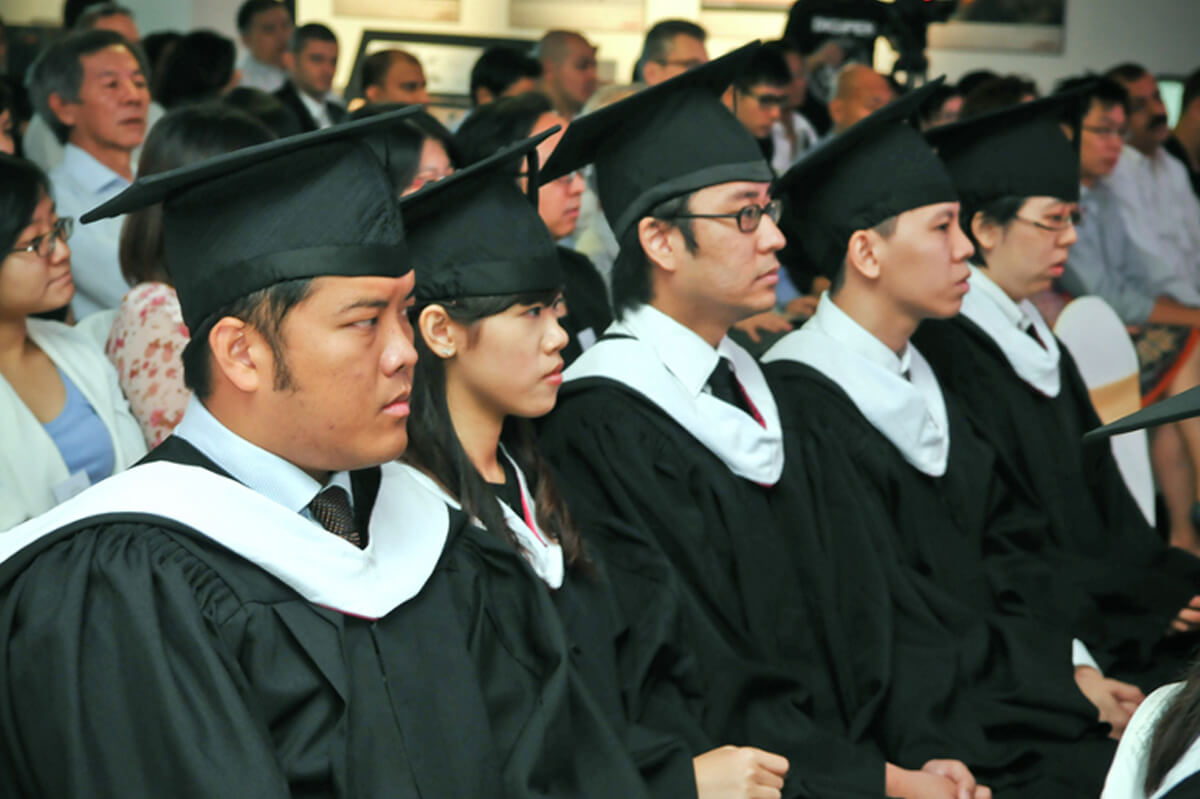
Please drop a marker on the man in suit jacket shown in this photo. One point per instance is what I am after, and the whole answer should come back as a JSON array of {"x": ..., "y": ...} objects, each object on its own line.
[{"x": 311, "y": 61}]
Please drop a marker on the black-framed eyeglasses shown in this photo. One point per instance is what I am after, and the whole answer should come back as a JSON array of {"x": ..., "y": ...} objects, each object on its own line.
[
  {"x": 768, "y": 99},
  {"x": 747, "y": 217},
  {"x": 43, "y": 245},
  {"x": 1057, "y": 224}
]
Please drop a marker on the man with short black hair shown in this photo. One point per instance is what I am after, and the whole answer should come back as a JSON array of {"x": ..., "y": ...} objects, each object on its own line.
[
  {"x": 311, "y": 62},
  {"x": 1184, "y": 142},
  {"x": 758, "y": 95},
  {"x": 394, "y": 76},
  {"x": 671, "y": 46},
  {"x": 266, "y": 28},
  {"x": 1160, "y": 209},
  {"x": 500, "y": 72},
  {"x": 91, "y": 86},
  {"x": 568, "y": 70}
]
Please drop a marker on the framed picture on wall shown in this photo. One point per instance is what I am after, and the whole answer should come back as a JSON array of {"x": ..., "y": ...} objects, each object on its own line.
[
  {"x": 1023, "y": 25},
  {"x": 420, "y": 10},
  {"x": 586, "y": 15}
]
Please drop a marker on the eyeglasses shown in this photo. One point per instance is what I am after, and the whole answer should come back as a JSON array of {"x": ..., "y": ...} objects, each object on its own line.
[
  {"x": 43, "y": 245},
  {"x": 1106, "y": 131},
  {"x": 747, "y": 217},
  {"x": 768, "y": 100},
  {"x": 1057, "y": 224},
  {"x": 561, "y": 180}
]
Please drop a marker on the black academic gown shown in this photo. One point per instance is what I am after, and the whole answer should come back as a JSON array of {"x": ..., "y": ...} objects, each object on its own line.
[
  {"x": 1096, "y": 534},
  {"x": 689, "y": 530},
  {"x": 958, "y": 625},
  {"x": 586, "y": 298},
  {"x": 143, "y": 659}
]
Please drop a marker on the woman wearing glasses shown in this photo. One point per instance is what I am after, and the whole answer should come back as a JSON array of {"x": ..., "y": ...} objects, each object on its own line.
[
  {"x": 64, "y": 423},
  {"x": 1018, "y": 177}
]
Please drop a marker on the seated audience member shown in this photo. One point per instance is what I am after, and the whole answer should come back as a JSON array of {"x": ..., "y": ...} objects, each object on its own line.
[
  {"x": 417, "y": 151},
  {"x": 1184, "y": 142},
  {"x": 996, "y": 93},
  {"x": 568, "y": 71},
  {"x": 792, "y": 134},
  {"x": 688, "y": 462},
  {"x": 92, "y": 86},
  {"x": 156, "y": 47},
  {"x": 1156, "y": 297},
  {"x": 510, "y": 119},
  {"x": 200, "y": 67},
  {"x": 758, "y": 95},
  {"x": 394, "y": 76},
  {"x": 908, "y": 492},
  {"x": 266, "y": 108},
  {"x": 66, "y": 424},
  {"x": 671, "y": 46},
  {"x": 311, "y": 61},
  {"x": 943, "y": 107},
  {"x": 1018, "y": 179},
  {"x": 266, "y": 29},
  {"x": 858, "y": 91},
  {"x": 1160, "y": 209},
  {"x": 489, "y": 359},
  {"x": 148, "y": 335},
  {"x": 364, "y": 640},
  {"x": 502, "y": 72}
]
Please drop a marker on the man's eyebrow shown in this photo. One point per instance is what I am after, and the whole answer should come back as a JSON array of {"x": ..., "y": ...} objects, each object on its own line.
[{"x": 366, "y": 302}]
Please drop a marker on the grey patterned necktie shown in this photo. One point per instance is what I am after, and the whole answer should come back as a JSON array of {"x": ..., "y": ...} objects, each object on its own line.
[{"x": 331, "y": 509}]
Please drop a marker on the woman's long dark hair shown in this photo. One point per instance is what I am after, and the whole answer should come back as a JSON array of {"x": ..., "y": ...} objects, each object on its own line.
[
  {"x": 433, "y": 445},
  {"x": 22, "y": 185},
  {"x": 1177, "y": 729}
]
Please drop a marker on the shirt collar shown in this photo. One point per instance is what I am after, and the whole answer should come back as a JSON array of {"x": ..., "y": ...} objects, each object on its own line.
[
  {"x": 838, "y": 325},
  {"x": 687, "y": 356},
  {"x": 263, "y": 471},
  {"x": 92, "y": 175},
  {"x": 982, "y": 283},
  {"x": 316, "y": 108}
]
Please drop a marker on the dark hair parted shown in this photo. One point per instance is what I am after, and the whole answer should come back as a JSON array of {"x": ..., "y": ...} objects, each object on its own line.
[
  {"x": 197, "y": 68},
  {"x": 264, "y": 310},
  {"x": 498, "y": 68},
  {"x": 250, "y": 9},
  {"x": 58, "y": 70},
  {"x": 434, "y": 447},
  {"x": 22, "y": 186},
  {"x": 631, "y": 284},
  {"x": 312, "y": 32},
  {"x": 492, "y": 126},
  {"x": 999, "y": 211},
  {"x": 1177, "y": 729},
  {"x": 182, "y": 137},
  {"x": 1103, "y": 91},
  {"x": 768, "y": 66}
]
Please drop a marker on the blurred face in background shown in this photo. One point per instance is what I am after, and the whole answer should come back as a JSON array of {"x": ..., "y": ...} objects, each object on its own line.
[{"x": 268, "y": 35}]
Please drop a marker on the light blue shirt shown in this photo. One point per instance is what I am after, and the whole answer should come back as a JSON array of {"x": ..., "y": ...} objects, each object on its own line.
[
  {"x": 264, "y": 472},
  {"x": 79, "y": 184}
]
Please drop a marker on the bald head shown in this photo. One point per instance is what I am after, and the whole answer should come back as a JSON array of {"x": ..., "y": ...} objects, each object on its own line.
[
  {"x": 858, "y": 92},
  {"x": 568, "y": 70}
]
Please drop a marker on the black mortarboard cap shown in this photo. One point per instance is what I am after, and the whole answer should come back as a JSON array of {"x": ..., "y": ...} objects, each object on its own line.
[
  {"x": 305, "y": 206},
  {"x": 877, "y": 168},
  {"x": 1172, "y": 409},
  {"x": 1021, "y": 151},
  {"x": 475, "y": 234},
  {"x": 664, "y": 141}
]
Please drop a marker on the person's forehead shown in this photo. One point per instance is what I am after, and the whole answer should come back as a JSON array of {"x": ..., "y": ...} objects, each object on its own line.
[
  {"x": 735, "y": 190},
  {"x": 1099, "y": 112},
  {"x": 271, "y": 16},
  {"x": 403, "y": 70},
  {"x": 319, "y": 47},
  {"x": 118, "y": 23},
  {"x": 579, "y": 46},
  {"x": 766, "y": 88},
  {"x": 684, "y": 44},
  {"x": 115, "y": 57}
]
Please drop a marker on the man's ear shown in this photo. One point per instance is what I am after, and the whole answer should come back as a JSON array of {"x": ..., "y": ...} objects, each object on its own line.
[
  {"x": 240, "y": 354},
  {"x": 372, "y": 94},
  {"x": 436, "y": 327},
  {"x": 65, "y": 111},
  {"x": 289, "y": 60},
  {"x": 863, "y": 255},
  {"x": 986, "y": 233},
  {"x": 655, "y": 236}
]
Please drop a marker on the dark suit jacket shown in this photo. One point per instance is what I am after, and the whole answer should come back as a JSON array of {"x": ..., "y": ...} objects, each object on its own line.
[{"x": 289, "y": 96}]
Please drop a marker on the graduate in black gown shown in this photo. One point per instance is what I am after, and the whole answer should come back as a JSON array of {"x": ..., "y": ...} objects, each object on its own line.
[
  {"x": 1018, "y": 177},
  {"x": 490, "y": 348},
  {"x": 905, "y": 487},
  {"x": 668, "y": 426},
  {"x": 258, "y": 609},
  {"x": 509, "y": 119}
]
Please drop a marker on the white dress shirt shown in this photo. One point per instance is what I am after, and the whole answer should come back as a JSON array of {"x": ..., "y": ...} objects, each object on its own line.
[
  {"x": 316, "y": 109},
  {"x": 257, "y": 75},
  {"x": 79, "y": 184}
]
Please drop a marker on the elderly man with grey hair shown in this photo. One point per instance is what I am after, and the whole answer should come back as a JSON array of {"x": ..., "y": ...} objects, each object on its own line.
[{"x": 91, "y": 87}]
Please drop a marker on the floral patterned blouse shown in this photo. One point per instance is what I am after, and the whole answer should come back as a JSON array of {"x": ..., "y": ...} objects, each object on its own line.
[{"x": 146, "y": 346}]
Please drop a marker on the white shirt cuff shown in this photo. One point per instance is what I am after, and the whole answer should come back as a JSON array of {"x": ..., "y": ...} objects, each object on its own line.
[{"x": 1080, "y": 656}]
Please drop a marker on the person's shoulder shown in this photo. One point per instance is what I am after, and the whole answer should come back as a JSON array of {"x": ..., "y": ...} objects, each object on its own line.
[{"x": 60, "y": 335}]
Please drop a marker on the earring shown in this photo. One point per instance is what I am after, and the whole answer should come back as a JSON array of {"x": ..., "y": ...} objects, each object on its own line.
[{"x": 447, "y": 353}]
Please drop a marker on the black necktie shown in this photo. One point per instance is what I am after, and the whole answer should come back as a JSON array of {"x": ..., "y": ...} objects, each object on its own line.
[
  {"x": 1033, "y": 334},
  {"x": 331, "y": 508},
  {"x": 725, "y": 386}
]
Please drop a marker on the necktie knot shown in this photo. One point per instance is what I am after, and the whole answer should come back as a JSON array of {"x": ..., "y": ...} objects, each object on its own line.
[{"x": 331, "y": 509}]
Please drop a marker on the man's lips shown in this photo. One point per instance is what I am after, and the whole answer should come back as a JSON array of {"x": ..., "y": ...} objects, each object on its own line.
[{"x": 398, "y": 407}]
